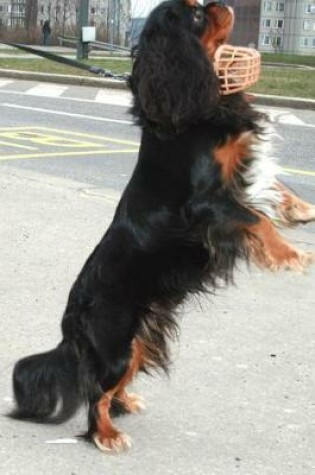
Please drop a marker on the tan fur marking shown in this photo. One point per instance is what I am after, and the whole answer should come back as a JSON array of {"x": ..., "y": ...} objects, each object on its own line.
[
  {"x": 108, "y": 438},
  {"x": 230, "y": 155},
  {"x": 221, "y": 20},
  {"x": 191, "y": 3}
]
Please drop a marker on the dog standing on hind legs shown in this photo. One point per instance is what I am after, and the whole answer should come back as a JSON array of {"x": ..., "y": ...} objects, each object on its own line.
[{"x": 183, "y": 222}]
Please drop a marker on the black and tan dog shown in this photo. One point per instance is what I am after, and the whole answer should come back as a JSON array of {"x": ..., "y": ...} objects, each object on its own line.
[{"x": 186, "y": 217}]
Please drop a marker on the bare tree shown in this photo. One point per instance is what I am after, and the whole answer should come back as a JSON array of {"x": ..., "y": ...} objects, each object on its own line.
[
  {"x": 62, "y": 14},
  {"x": 31, "y": 9},
  {"x": 276, "y": 39}
]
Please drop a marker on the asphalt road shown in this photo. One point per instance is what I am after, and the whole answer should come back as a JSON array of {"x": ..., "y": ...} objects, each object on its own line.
[
  {"x": 77, "y": 112},
  {"x": 241, "y": 396}
]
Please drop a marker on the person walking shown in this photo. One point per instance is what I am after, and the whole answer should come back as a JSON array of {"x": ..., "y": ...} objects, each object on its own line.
[{"x": 46, "y": 30}]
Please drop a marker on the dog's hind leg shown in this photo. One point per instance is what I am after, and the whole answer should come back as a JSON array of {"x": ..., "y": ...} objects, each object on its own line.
[{"x": 102, "y": 431}]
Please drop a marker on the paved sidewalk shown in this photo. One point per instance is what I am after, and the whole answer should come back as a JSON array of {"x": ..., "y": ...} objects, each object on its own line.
[
  {"x": 261, "y": 99},
  {"x": 241, "y": 395},
  {"x": 63, "y": 50}
]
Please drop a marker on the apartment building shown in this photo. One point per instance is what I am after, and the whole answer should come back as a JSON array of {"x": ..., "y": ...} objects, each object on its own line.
[
  {"x": 287, "y": 26},
  {"x": 12, "y": 13}
]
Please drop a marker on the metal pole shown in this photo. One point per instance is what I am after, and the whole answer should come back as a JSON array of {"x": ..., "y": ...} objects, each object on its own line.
[
  {"x": 11, "y": 13},
  {"x": 118, "y": 20},
  {"x": 114, "y": 13},
  {"x": 64, "y": 17},
  {"x": 111, "y": 15},
  {"x": 82, "y": 20}
]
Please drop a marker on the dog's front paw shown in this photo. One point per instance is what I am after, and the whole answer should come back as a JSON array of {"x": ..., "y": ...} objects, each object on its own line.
[
  {"x": 306, "y": 259},
  {"x": 269, "y": 250},
  {"x": 116, "y": 442},
  {"x": 289, "y": 258}
]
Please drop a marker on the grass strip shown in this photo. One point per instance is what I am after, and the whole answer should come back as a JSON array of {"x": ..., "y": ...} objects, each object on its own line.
[
  {"x": 286, "y": 82},
  {"x": 46, "y": 66}
]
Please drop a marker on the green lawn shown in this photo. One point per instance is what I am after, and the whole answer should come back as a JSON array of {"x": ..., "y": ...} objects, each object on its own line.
[
  {"x": 46, "y": 66},
  {"x": 286, "y": 82}
]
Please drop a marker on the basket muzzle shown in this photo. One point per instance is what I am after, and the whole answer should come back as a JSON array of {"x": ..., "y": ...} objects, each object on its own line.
[{"x": 237, "y": 68}]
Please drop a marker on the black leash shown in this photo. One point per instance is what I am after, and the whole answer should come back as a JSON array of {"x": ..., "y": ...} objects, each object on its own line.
[{"x": 106, "y": 73}]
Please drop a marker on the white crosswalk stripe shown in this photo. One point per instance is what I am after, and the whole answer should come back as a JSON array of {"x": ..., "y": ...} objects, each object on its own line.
[
  {"x": 46, "y": 90},
  {"x": 281, "y": 116},
  {"x": 5, "y": 82},
  {"x": 290, "y": 119},
  {"x": 117, "y": 97}
]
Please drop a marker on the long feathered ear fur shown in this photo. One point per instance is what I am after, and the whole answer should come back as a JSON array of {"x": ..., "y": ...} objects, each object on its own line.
[{"x": 173, "y": 82}]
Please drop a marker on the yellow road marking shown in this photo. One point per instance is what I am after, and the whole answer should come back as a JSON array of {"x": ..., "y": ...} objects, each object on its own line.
[
  {"x": 49, "y": 137},
  {"x": 66, "y": 132},
  {"x": 66, "y": 154},
  {"x": 10, "y": 144},
  {"x": 10, "y": 131},
  {"x": 297, "y": 171},
  {"x": 45, "y": 139}
]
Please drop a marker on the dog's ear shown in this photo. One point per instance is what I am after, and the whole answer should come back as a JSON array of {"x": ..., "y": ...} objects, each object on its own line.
[{"x": 173, "y": 81}]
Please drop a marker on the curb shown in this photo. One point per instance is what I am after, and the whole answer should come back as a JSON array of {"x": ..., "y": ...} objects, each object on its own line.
[
  {"x": 281, "y": 101},
  {"x": 260, "y": 99},
  {"x": 64, "y": 79}
]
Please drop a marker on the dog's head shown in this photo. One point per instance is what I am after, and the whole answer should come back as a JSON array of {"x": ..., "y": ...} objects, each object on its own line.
[{"x": 173, "y": 79}]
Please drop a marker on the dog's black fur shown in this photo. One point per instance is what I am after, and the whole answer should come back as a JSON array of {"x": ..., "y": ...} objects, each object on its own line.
[{"x": 176, "y": 231}]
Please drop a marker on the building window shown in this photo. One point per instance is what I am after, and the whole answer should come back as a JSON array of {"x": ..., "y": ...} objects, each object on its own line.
[
  {"x": 267, "y": 6},
  {"x": 266, "y": 23},
  {"x": 278, "y": 41},
  {"x": 279, "y": 23},
  {"x": 266, "y": 40},
  {"x": 306, "y": 25},
  {"x": 309, "y": 8},
  {"x": 279, "y": 7},
  {"x": 304, "y": 42}
]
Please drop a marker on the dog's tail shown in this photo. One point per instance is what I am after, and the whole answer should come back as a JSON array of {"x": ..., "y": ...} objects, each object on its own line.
[{"x": 47, "y": 386}]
